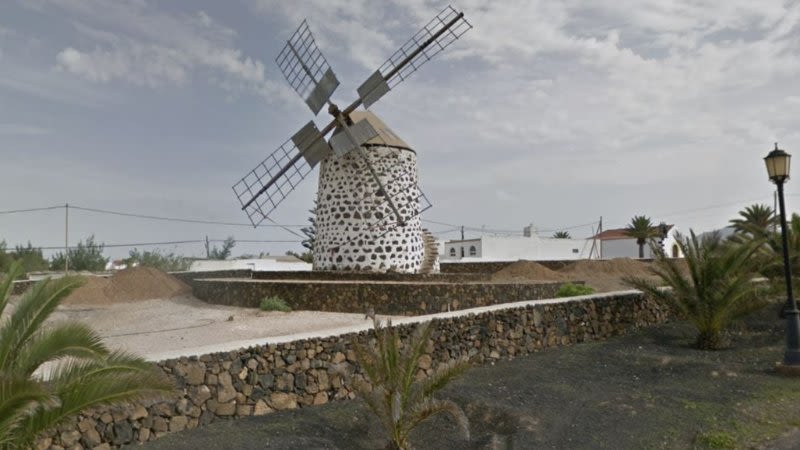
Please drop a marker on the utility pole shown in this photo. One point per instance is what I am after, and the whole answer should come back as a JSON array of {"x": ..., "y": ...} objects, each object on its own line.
[
  {"x": 462, "y": 232},
  {"x": 208, "y": 251},
  {"x": 66, "y": 238}
]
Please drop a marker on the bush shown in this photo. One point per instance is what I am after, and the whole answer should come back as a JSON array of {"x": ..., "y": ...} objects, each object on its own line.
[
  {"x": 274, "y": 304},
  {"x": 393, "y": 391},
  {"x": 571, "y": 290},
  {"x": 716, "y": 288},
  {"x": 168, "y": 262},
  {"x": 86, "y": 256}
]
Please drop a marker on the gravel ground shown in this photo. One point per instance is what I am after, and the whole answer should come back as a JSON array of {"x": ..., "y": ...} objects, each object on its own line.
[
  {"x": 645, "y": 390},
  {"x": 162, "y": 328}
]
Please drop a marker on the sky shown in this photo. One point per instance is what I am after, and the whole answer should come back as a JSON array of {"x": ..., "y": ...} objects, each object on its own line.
[{"x": 546, "y": 113}]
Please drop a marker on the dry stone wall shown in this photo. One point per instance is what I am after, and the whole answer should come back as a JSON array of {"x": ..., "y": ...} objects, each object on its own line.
[
  {"x": 263, "y": 379},
  {"x": 389, "y": 297}
]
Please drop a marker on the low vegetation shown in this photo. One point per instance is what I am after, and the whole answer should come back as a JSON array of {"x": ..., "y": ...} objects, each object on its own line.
[
  {"x": 87, "y": 255},
  {"x": 162, "y": 260},
  {"x": 274, "y": 304},
  {"x": 29, "y": 257},
  {"x": 716, "y": 287},
  {"x": 392, "y": 390},
  {"x": 572, "y": 290},
  {"x": 80, "y": 371}
]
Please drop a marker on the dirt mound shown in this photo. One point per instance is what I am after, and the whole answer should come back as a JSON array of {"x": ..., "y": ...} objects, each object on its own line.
[
  {"x": 93, "y": 292},
  {"x": 129, "y": 285},
  {"x": 607, "y": 275},
  {"x": 523, "y": 270},
  {"x": 618, "y": 267}
]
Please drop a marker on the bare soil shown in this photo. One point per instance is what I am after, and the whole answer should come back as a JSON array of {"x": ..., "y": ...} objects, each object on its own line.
[
  {"x": 648, "y": 390},
  {"x": 603, "y": 276},
  {"x": 527, "y": 271},
  {"x": 129, "y": 285}
]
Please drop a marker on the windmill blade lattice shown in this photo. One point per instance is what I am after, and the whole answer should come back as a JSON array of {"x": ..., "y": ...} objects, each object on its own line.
[
  {"x": 396, "y": 70},
  {"x": 306, "y": 69},
  {"x": 255, "y": 181}
]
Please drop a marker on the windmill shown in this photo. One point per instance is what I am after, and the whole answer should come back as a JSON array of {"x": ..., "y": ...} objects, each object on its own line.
[{"x": 368, "y": 200}]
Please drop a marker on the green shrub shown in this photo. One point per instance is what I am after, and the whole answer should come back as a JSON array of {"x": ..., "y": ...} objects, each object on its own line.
[
  {"x": 274, "y": 304},
  {"x": 571, "y": 290},
  {"x": 718, "y": 439},
  {"x": 160, "y": 259},
  {"x": 86, "y": 256}
]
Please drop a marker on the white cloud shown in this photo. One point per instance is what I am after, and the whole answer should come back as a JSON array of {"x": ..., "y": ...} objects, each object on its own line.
[{"x": 138, "y": 44}]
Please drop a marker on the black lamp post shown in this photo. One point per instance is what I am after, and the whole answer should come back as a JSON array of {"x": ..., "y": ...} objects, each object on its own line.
[{"x": 778, "y": 168}]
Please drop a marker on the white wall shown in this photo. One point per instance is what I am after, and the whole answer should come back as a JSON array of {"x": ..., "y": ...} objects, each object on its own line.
[
  {"x": 496, "y": 248},
  {"x": 261, "y": 265},
  {"x": 628, "y": 248}
]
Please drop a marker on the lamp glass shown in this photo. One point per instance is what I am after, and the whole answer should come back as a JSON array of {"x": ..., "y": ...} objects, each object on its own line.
[{"x": 778, "y": 163}]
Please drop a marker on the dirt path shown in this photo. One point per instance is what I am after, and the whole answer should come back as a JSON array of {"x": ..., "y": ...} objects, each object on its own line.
[
  {"x": 162, "y": 328},
  {"x": 646, "y": 390}
]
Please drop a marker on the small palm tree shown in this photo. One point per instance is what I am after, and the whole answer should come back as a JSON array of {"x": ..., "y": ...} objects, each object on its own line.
[
  {"x": 393, "y": 393},
  {"x": 643, "y": 230},
  {"x": 562, "y": 235},
  {"x": 754, "y": 219},
  {"x": 714, "y": 288},
  {"x": 50, "y": 373}
]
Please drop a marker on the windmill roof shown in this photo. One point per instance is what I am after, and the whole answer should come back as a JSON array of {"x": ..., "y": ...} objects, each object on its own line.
[{"x": 385, "y": 135}]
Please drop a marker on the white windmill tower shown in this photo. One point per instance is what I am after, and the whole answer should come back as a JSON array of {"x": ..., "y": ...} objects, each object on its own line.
[{"x": 368, "y": 199}]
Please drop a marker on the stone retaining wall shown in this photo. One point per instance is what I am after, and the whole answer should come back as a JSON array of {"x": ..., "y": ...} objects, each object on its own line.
[
  {"x": 262, "y": 379},
  {"x": 490, "y": 267},
  {"x": 322, "y": 275},
  {"x": 395, "y": 298}
]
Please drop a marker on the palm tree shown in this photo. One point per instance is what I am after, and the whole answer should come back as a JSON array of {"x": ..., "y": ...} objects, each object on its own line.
[
  {"x": 754, "y": 219},
  {"x": 643, "y": 230},
  {"x": 48, "y": 374},
  {"x": 562, "y": 235},
  {"x": 393, "y": 394},
  {"x": 714, "y": 288}
]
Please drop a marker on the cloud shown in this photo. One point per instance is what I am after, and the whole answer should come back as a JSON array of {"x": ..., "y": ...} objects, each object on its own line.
[{"x": 135, "y": 43}]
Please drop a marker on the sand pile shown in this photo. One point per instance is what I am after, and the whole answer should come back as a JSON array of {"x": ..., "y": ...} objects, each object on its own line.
[
  {"x": 618, "y": 267},
  {"x": 129, "y": 285},
  {"x": 607, "y": 275},
  {"x": 526, "y": 271}
]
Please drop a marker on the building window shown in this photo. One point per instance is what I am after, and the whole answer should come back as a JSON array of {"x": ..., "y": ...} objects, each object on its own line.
[
  {"x": 472, "y": 251},
  {"x": 675, "y": 250},
  {"x": 453, "y": 251},
  {"x": 462, "y": 252}
]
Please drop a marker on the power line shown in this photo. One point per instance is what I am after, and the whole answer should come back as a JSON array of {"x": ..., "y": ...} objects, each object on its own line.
[
  {"x": 151, "y": 244},
  {"x": 47, "y": 208},
  {"x": 174, "y": 219}
]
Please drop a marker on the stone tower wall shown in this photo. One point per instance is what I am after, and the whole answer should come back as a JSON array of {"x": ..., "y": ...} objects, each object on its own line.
[{"x": 350, "y": 204}]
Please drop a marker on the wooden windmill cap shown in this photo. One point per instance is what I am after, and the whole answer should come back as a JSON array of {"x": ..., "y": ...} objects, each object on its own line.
[{"x": 385, "y": 135}]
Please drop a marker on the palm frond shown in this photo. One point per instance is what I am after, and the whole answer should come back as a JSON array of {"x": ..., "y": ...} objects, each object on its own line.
[
  {"x": 717, "y": 286},
  {"x": 31, "y": 312},
  {"x": 14, "y": 272},
  {"x": 443, "y": 375},
  {"x": 80, "y": 384},
  {"x": 19, "y": 397},
  {"x": 62, "y": 340},
  {"x": 431, "y": 407}
]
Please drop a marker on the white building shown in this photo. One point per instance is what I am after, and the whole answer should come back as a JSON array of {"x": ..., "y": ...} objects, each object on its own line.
[
  {"x": 616, "y": 243},
  {"x": 512, "y": 248}
]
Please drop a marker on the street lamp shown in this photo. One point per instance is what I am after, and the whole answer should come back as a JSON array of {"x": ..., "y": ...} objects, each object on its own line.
[{"x": 777, "y": 162}]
